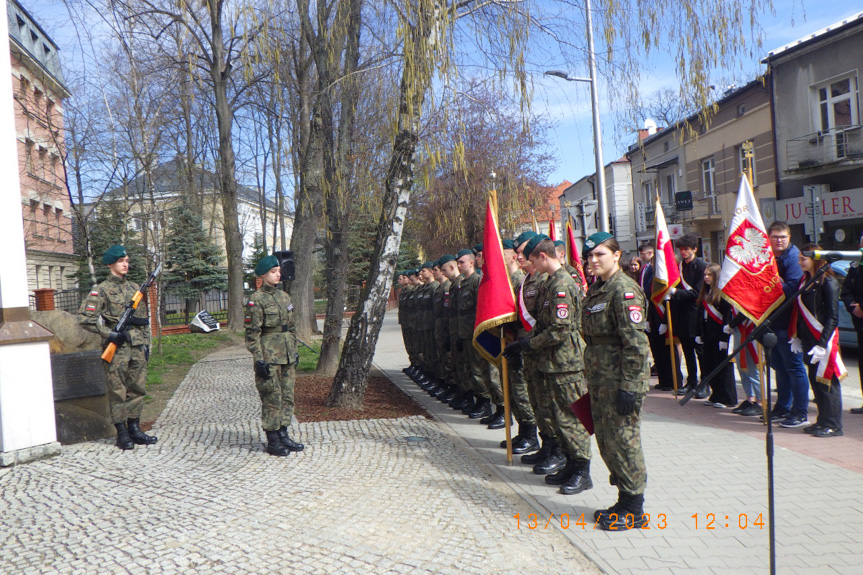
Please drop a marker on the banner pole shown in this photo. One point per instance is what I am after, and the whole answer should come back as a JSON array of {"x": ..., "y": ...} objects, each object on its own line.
[
  {"x": 504, "y": 382},
  {"x": 672, "y": 348}
]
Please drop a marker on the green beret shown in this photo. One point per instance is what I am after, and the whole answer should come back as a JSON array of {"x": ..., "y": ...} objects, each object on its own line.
[
  {"x": 413, "y": 272},
  {"x": 113, "y": 254},
  {"x": 427, "y": 265},
  {"x": 445, "y": 259},
  {"x": 594, "y": 240},
  {"x": 559, "y": 244},
  {"x": 464, "y": 252},
  {"x": 532, "y": 243},
  {"x": 266, "y": 264},
  {"x": 477, "y": 248},
  {"x": 509, "y": 244},
  {"x": 523, "y": 237}
]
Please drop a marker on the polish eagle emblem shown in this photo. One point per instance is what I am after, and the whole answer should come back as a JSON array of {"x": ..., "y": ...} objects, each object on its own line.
[{"x": 750, "y": 249}]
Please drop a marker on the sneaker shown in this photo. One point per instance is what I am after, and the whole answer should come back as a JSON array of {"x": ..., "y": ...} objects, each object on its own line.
[
  {"x": 720, "y": 405},
  {"x": 813, "y": 428},
  {"x": 708, "y": 403},
  {"x": 753, "y": 410},
  {"x": 794, "y": 421},
  {"x": 746, "y": 403},
  {"x": 778, "y": 415},
  {"x": 827, "y": 432}
]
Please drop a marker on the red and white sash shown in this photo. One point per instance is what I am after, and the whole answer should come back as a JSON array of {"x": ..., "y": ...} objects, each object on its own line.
[
  {"x": 527, "y": 320},
  {"x": 711, "y": 312},
  {"x": 831, "y": 364},
  {"x": 683, "y": 279},
  {"x": 751, "y": 352}
]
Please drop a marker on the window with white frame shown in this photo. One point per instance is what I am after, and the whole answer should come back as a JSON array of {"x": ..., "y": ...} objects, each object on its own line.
[
  {"x": 648, "y": 193},
  {"x": 742, "y": 164},
  {"x": 708, "y": 175},
  {"x": 670, "y": 187},
  {"x": 837, "y": 102}
]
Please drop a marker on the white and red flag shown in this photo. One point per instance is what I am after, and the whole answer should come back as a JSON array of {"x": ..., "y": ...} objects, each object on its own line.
[
  {"x": 572, "y": 255},
  {"x": 750, "y": 278},
  {"x": 552, "y": 230},
  {"x": 666, "y": 273}
]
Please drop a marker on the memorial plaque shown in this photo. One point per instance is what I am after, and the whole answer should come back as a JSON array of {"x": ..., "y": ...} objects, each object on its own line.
[{"x": 203, "y": 323}]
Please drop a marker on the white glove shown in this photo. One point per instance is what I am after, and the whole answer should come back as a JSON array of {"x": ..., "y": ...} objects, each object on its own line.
[
  {"x": 672, "y": 291},
  {"x": 723, "y": 345},
  {"x": 726, "y": 330},
  {"x": 663, "y": 328},
  {"x": 796, "y": 345},
  {"x": 817, "y": 353},
  {"x": 698, "y": 340}
]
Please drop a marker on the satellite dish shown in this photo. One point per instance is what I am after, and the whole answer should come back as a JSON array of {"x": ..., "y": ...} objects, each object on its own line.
[{"x": 650, "y": 126}]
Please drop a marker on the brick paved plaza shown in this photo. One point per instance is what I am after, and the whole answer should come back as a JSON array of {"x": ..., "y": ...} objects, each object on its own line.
[{"x": 367, "y": 497}]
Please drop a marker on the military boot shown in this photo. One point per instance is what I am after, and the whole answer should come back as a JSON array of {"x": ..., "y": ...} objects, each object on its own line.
[
  {"x": 442, "y": 389},
  {"x": 499, "y": 421},
  {"x": 564, "y": 473},
  {"x": 471, "y": 402},
  {"x": 448, "y": 395},
  {"x": 458, "y": 401},
  {"x": 483, "y": 409},
  {"x": 515, "y": 439},
  {"x": 627, "y": 513},
  {"x": 498, "y": 411},
  {"x": 288, "y": 442},
  {"x": 124, "y": 442},
  {"x": 580, "y": 480},
  {"x": 275, "y": 445},
  {"x": 544, "y": 451},
  {"x": 527, "y": 442},
  {"x": 139, "y": 437},
  {"x": 554, "y": 462}
]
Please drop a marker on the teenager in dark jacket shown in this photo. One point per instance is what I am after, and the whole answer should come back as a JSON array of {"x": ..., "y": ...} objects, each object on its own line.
[{"x": 713, "y": 314}]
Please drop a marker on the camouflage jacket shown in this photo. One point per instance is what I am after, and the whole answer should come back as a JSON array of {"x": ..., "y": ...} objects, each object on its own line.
[
  {"x": 576, "y": 278},
  {"x": 617, "y": 346},
  {"x": 556, "y": 338},
  {"x": 428, "y": 315},
  {"x": 101, "y": 310},
  {"x": 468, "y": 290},
  {"x": 441, "y": 312},
  {"x": 270, "y": 330},
  {"x": 452, "y": 306},
  {"x": 529, "y": 292}
]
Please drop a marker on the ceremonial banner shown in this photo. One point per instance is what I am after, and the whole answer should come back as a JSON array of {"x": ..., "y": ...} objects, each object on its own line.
[
  {"x": 750, "y": 278},
  {"x": 552, "y": 231},
  {"x": 666, "y": 273},
  {"x": 495, "y": 301},
  {"x": 573, "y": 257}
]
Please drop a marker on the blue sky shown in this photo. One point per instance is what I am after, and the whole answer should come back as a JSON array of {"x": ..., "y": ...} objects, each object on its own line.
[{"x": 568, "y": 103}]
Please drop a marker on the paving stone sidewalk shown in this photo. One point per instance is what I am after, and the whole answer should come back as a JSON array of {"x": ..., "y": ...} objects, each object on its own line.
[
  {"x": 696, "y": 467},
  {"x": 362, "y": 498}
]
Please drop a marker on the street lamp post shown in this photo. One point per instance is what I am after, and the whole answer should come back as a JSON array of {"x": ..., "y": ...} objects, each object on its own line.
[{"x": 597, "y": 131}]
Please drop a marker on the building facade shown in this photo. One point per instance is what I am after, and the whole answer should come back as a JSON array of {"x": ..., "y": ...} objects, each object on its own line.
[
  {"x": 819, "y": 134},
  {"x": 37, "y": 82}
]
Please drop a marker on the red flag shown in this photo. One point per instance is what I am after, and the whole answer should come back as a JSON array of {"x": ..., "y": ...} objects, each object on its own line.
[
  {"x": 750, "y": 278},
  {"x": 572, "y": 255},
  {"x": 666, "y": 273},
  {"x": 495, "y": 301},
  {"x": 552, "y": 230}
]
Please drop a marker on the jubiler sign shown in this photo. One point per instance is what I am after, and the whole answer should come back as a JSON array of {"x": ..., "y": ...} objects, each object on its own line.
[{"x": 844, "y": 205}]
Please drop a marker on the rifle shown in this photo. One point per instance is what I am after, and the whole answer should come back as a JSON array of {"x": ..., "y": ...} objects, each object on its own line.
[
  {"x": 123, "y": 322},
  {"x": 307, "y": 346}
]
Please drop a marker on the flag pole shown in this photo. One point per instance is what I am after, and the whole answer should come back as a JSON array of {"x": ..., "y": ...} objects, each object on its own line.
[
  {"x": 504, "y": 382},
  {"x": 672, "y": 348}
]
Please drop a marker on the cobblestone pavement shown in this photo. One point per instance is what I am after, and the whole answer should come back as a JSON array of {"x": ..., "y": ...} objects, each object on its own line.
[
  {"x": 706, "y": 490},
  {"x": 362, "y": 498}
]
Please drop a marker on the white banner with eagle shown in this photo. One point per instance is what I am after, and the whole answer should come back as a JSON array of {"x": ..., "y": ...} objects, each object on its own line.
[{"x": 750, "y": 278}]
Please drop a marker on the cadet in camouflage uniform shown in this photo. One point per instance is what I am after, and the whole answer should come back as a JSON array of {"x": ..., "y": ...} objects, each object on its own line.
[
  {"x": 550, "y": 458},
  {"x": 443, "y": 268},
  {"x": 460, "y": 397},
  {"x": 560, "y": 247},
  {"x": 426, "y": 325},
  {"x": 473, "y": 361},
  {"x": 617, "y": 370},
  {"x": 557, "y": 344},
  {"x": 271, "y": 337},
  {"x": 410, "y": 321},
  {"x": 525, "y": 440},
  {"x": 127, "y": 372}
]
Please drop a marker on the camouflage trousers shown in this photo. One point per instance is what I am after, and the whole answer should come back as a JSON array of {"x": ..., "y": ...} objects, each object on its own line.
[
  {"x": 408, "y": 337},
  {"x": 277, "y": 396},
  {"x": 540, "y": 399},
  {"x": 564, "y": 389},
  {"x": 491, "y": 381},
  {"x": 126, "y": 377},
  {"x": 430, "y": 359},
  {"x": 619, "y": 439},
  {"x": 444, "y": 357},
  {"x": 478, "y": 370},
  {"x": 519, "y": 398}
]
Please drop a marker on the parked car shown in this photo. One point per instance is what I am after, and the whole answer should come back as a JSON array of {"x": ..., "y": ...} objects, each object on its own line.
[{"x": 847, "y": 334}]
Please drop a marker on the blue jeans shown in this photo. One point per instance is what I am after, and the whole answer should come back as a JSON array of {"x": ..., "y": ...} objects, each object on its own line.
[
  {"x": 749, "y": 379},
  {"x": 792, "y": 381}
]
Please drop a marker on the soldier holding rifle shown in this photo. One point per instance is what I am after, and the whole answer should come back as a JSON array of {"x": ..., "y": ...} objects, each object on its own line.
[{"x": 126, "y": 370}]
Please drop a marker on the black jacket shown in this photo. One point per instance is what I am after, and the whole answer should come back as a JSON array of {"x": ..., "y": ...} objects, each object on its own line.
[
  {"x": 707, "y": 327},
  {"x": 685, "y": 318},
  {"x": 822, "y": 300},
  {"x": 852, "y": 292}
]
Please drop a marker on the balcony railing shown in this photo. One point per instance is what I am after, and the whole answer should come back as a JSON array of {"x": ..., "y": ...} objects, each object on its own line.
[{"x": 824, "y": 148}]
